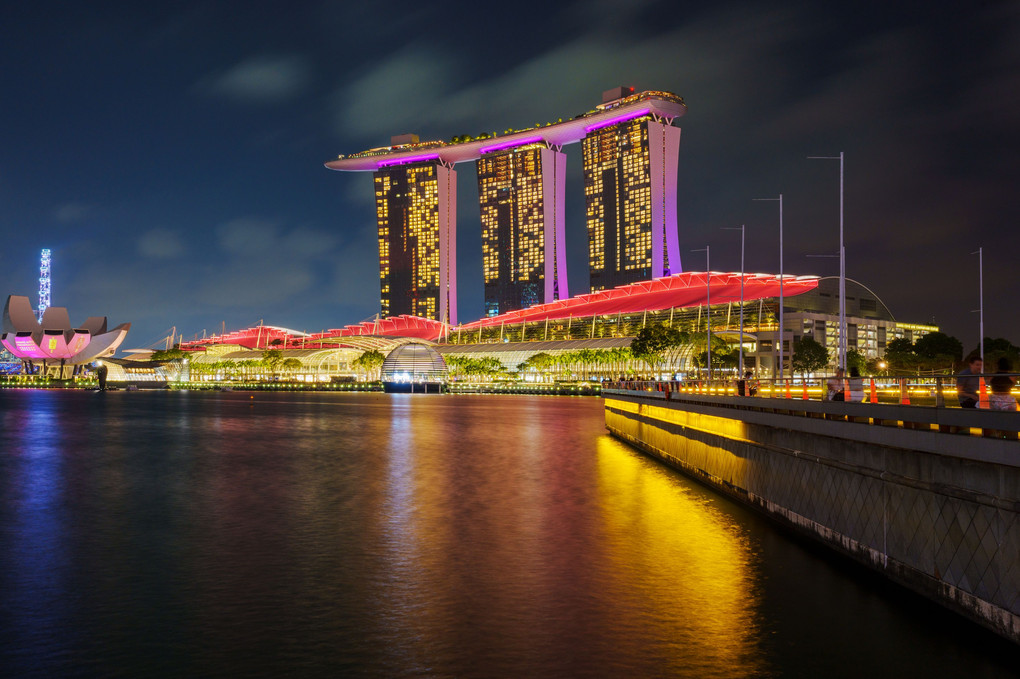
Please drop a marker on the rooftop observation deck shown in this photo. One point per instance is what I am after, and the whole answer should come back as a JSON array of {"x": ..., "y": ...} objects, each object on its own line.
[{"x": 661, "y": 105}]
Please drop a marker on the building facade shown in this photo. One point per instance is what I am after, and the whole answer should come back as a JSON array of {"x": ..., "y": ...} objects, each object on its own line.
[
  {"x": 630, "y": 201},
  {"x": 870, "y": 326},
  {"x": 521, "y": 200},
  {"x": 416, "y": 207}
]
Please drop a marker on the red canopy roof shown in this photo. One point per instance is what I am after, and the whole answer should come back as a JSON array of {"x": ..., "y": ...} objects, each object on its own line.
[{"x": 679, "y": 290}]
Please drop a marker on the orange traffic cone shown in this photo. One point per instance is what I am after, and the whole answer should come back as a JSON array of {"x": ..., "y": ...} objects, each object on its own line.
[
  {"x": 904, "y": 393},
  {"x": 874, "y": 394},
  {"x": 983, "y": 396},
  {"x": 805, "y": 396},
  {"x": 787, "y": 388}
]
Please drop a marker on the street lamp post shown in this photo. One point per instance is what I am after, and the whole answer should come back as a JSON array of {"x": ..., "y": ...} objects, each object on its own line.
[
  {"x": 781, "y": 304},
  {"x": 708, "y": 305},
  {"x": 981, "y": 304},
  {"x": 841, "y": 347},
  {"x": 740, "y": 353}
]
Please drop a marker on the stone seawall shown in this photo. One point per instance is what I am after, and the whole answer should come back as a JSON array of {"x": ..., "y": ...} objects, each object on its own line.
[{"x": 936, "y": 512}]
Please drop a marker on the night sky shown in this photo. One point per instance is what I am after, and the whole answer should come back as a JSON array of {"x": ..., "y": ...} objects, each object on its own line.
[{"x": 171, "y": 154}]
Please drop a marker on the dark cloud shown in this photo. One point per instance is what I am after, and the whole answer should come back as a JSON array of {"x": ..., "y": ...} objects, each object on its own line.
[{"x": 160, "y": 244}]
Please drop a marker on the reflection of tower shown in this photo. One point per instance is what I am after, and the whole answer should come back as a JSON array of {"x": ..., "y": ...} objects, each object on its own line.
[
  {"x": 44, "y": 282},
  {"x": 416, "y": 206},
  {"x": 520, "y": 193},
  {"x": 630, "y": 179}
]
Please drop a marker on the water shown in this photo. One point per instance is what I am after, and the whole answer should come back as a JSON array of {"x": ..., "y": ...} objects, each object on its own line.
[{"x": 308, "y": 534}]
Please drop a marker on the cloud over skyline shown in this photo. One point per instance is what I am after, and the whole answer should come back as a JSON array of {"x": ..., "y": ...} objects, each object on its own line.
[
  {"x": 195, "y": 144},
  {"x": 264, "y": 79}
]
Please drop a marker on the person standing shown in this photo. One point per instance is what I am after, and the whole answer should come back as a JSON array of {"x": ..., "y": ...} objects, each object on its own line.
[
  {"x": 1001, "y": 385},
  {"x": 746, "y": 386},
  {"x": 834, "y": 387},
  {"x": 968, "y": 383}
]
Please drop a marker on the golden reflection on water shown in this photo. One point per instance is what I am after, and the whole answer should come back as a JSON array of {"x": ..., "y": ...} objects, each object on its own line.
[
  {"x": 520, "y": 537},
  {"x": 697, "y": 585}
]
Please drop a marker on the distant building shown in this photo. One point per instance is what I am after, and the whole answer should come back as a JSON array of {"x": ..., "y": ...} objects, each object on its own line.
[
  {"x": 520, "y": 193},
  {"x": 870, "y": 326},
  {"x": 54, "y": 346},
  {"x": 416, "y": 208}
]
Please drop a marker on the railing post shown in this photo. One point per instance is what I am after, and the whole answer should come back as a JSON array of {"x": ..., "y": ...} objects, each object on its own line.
[
  {"x": 940, "y": 401},
  {"x": 904, "y": 393}
]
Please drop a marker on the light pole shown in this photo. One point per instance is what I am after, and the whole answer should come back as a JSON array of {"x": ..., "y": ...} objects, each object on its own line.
[
  {"x": 841, "y": 347},
  {"x": 708, "y": 305},
  {"x": 781, "y": 326},
  {"x": 981, "y": 305},
  {"x": 740, "y": 354}
]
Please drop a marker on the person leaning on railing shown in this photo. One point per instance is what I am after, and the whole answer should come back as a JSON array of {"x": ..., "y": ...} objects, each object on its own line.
[{"x": 968, "y": 383}]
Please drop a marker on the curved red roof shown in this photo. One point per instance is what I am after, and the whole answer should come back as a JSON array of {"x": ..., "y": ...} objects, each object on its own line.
[{"x": 678, "y": 290}]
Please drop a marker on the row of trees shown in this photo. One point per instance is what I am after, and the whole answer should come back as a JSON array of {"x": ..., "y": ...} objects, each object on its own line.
[
  {"x": 584, "y": 363},
  {"x": 933, "y": 353},
  {"x": 271, "y": 362}
]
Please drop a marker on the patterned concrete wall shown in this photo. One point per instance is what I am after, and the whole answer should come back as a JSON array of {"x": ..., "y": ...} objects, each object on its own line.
[{"x": 944, "y": 526}]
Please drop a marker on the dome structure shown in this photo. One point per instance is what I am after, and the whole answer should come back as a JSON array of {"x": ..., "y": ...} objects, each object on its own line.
[
  {"x": 54, "y": 339},
  {"x": 413, "y": 363}
]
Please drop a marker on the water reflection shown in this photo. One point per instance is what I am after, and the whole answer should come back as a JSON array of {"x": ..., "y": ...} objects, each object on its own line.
[
  {"x": 374, "y": 535},
  {"x": 33, "y": 544},
  {"x": 683, "y": 568}
]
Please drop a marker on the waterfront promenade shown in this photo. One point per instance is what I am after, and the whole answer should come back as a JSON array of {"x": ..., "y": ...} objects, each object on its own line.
[{"x": 927, "y": 496}]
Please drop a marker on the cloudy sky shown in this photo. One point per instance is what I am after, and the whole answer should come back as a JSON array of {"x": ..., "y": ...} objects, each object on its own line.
[{"x": 171, "y": 154}]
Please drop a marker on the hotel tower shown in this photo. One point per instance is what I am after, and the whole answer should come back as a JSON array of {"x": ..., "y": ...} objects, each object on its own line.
[
  {"x": 416, "y": 210},
  {"x": 520, "y": 193},
  {"x": 630, "y": 199}
]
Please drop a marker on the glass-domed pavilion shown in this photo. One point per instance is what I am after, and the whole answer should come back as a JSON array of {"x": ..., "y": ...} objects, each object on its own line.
[{"x": 414, "y": 368}]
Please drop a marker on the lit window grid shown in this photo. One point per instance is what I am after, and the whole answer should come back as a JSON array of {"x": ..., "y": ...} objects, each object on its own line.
[
  {"x": 625, "y": 149},
  {"x": 419, "y": 235},
  {"x": 513, "y": 181}
]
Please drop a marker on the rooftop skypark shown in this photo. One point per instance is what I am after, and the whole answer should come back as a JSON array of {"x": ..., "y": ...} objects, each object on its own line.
[{"x": 660, "y": 105}]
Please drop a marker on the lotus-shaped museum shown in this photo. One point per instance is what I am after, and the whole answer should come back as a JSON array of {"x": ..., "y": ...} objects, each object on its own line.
[{"x": 54, "y": 341}]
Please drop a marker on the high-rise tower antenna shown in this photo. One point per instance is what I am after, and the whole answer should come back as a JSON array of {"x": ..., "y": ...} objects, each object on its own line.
[{"x": 44, "y": 282}]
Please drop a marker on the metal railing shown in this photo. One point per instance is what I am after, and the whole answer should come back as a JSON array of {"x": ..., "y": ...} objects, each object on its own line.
[
  {"x": 938, "y": 391},
  {"x": 911, "y": 402}
]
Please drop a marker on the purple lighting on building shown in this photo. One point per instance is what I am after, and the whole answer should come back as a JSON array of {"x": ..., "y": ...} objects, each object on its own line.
[
  {"x": 617, "y": 119},
  {"x": 407, "y": 159},
  {"x": 510, "y": 144}
]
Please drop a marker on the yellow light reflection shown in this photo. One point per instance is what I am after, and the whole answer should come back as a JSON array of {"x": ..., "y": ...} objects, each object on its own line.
[{"x": 694, "y": 580}]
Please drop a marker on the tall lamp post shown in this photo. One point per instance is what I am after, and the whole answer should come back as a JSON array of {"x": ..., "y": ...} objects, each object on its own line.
[
  {"x": 841, "y": 348},
  {"x": 740, "y": 354},
  {"x": 981, "y": 304},
  {"x": 782, "y": 327},
  {"x": 708, "y": 304}
]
